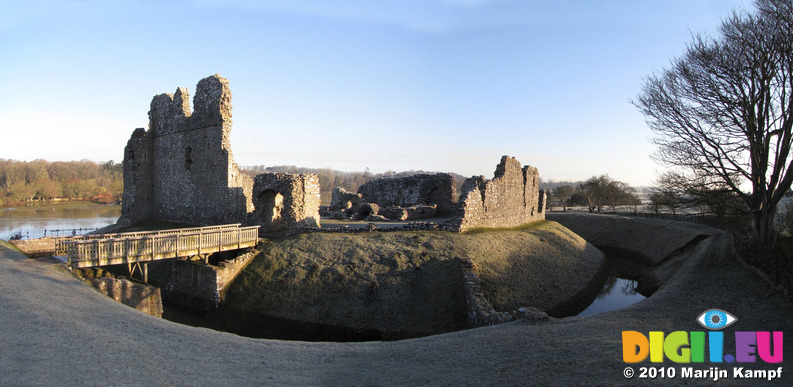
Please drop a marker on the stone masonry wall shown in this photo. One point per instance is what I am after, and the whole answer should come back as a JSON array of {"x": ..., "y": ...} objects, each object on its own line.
[
  {"x": 478, "y": 309},
  {"x": 202, "y": 287},
  {"x": 342, "y": 200},
  {"x": 137, "y": 199},
  {"x": 192, "y": 284},
  {"x": 419, "y": 189},
  {"x": 182, "y": 168},
  {"x": 511, "y": 199},
  {"x": 142, "y": 297},
  {"x": 286, "y": 201}
]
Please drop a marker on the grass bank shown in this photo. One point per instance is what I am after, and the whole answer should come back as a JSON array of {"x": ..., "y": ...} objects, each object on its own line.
[{"x": 411, "y": 281}]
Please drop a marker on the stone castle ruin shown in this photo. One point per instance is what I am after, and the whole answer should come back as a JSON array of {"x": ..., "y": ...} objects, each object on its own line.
[
  {"x": 286, "y": 201},
  {"x": 420, "y": 189},
  {"x": 182, "y": 170},
  {"x": 511, "y": 199},
  {"x": 415, "y": 197}
]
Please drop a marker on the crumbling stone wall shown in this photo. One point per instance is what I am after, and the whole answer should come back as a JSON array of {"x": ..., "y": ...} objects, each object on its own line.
[
  {"x": 409, "y": 191},
  {"x": 202, "y": 287},
  {"x": 182, "y": 169},
  {"x": 342, "y": 200},
  {"x": 143, "y": 297},
  {"x": 478, "y": 309},
  {"x": 137, "y": 200},
  {"x": 286, "y": 201},
  {"x": 511, "y": 199}
]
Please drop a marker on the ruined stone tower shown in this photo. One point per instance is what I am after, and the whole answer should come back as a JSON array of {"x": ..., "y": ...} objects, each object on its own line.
[{"x": 182, "y": 168}]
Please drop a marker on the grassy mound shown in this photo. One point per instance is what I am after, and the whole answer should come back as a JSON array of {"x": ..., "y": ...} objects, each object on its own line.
[{"x": 411, "y": 281}]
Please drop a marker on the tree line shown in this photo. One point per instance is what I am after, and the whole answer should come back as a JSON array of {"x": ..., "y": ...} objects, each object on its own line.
[
  {"x": 669, "y": 195},
  {"x": 596, "y": 193},
  {"x": 328, "y": 178},
  {"x": 23, "y": 182}
]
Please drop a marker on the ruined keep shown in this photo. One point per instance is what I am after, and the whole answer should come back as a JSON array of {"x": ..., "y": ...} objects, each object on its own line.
[
  {"x": 416, "y": 190},
  {"x": 510, "y": 199},
  {"x": 182, "y": 169}
]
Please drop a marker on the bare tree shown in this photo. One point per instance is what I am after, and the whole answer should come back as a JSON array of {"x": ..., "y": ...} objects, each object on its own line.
[
  {"x": 632, "y": 200},
  {"x": 723, "y": 112},
  {"x": 602, "y": 190},
  {"x": 677, "y": 192},
  {"x": 563, "y": 194},
  {"x": 595, "y": 189}
]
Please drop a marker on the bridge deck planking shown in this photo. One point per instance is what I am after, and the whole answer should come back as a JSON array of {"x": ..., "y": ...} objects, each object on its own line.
[
  {"x": 189, "y": 242},
  {"x": 60, "y": 242}
]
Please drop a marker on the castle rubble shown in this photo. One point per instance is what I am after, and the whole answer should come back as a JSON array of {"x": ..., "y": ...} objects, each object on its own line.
[
  {"x": 512, "y": 198},
  {"x": 409, "y": 191}
]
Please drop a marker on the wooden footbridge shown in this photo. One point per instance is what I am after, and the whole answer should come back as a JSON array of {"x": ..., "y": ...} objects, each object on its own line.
[{"x": 135, "y": 248}]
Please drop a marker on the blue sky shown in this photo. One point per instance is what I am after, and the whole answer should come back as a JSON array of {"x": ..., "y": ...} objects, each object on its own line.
[{"x": 437, "y": 85}]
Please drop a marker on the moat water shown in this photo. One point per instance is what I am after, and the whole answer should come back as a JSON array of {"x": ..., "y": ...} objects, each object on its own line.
[
  {"x": 70, "y": 218},
  {"x": 617, "y": 292}
]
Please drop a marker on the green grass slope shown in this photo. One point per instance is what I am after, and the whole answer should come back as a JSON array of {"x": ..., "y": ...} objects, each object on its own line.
[{"x": 411, "y": 281}]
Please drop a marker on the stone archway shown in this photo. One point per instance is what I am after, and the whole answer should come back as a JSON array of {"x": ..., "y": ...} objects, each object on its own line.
[{"x": 272, "y": 203}]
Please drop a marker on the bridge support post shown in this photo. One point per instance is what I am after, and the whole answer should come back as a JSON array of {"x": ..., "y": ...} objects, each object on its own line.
[{"x": 144, "y": 270}]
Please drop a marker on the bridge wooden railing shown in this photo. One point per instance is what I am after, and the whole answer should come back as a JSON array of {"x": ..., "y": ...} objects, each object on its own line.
[
  {"x": 60, "y": 242},
  {"x": 152, "y": 246}
]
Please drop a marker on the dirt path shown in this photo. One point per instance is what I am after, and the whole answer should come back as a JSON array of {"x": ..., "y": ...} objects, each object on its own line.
[{"x": 55, "y": 330}]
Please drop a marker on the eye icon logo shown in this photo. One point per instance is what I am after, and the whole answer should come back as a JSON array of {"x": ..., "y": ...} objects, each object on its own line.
[{"x": 715, "y": 319}]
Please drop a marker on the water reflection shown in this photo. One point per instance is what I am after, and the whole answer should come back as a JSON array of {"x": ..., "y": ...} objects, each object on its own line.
[
  {"x": 617, "y": 293},
  {"x": 35, "y": 222}
]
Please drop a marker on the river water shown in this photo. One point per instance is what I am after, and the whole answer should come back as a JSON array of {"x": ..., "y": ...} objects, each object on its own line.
[{"x": 70, "y": 218}]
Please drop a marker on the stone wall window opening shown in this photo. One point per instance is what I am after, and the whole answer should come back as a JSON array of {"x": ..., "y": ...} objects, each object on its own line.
[
  {"x": 188, "y": 162},
  {"x": 273, "y": 203}
]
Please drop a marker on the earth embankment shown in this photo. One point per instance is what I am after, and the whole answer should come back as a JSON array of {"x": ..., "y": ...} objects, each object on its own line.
[
  {"x": 411, "y": 282},
  {"x": 649, "y": 241}
]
